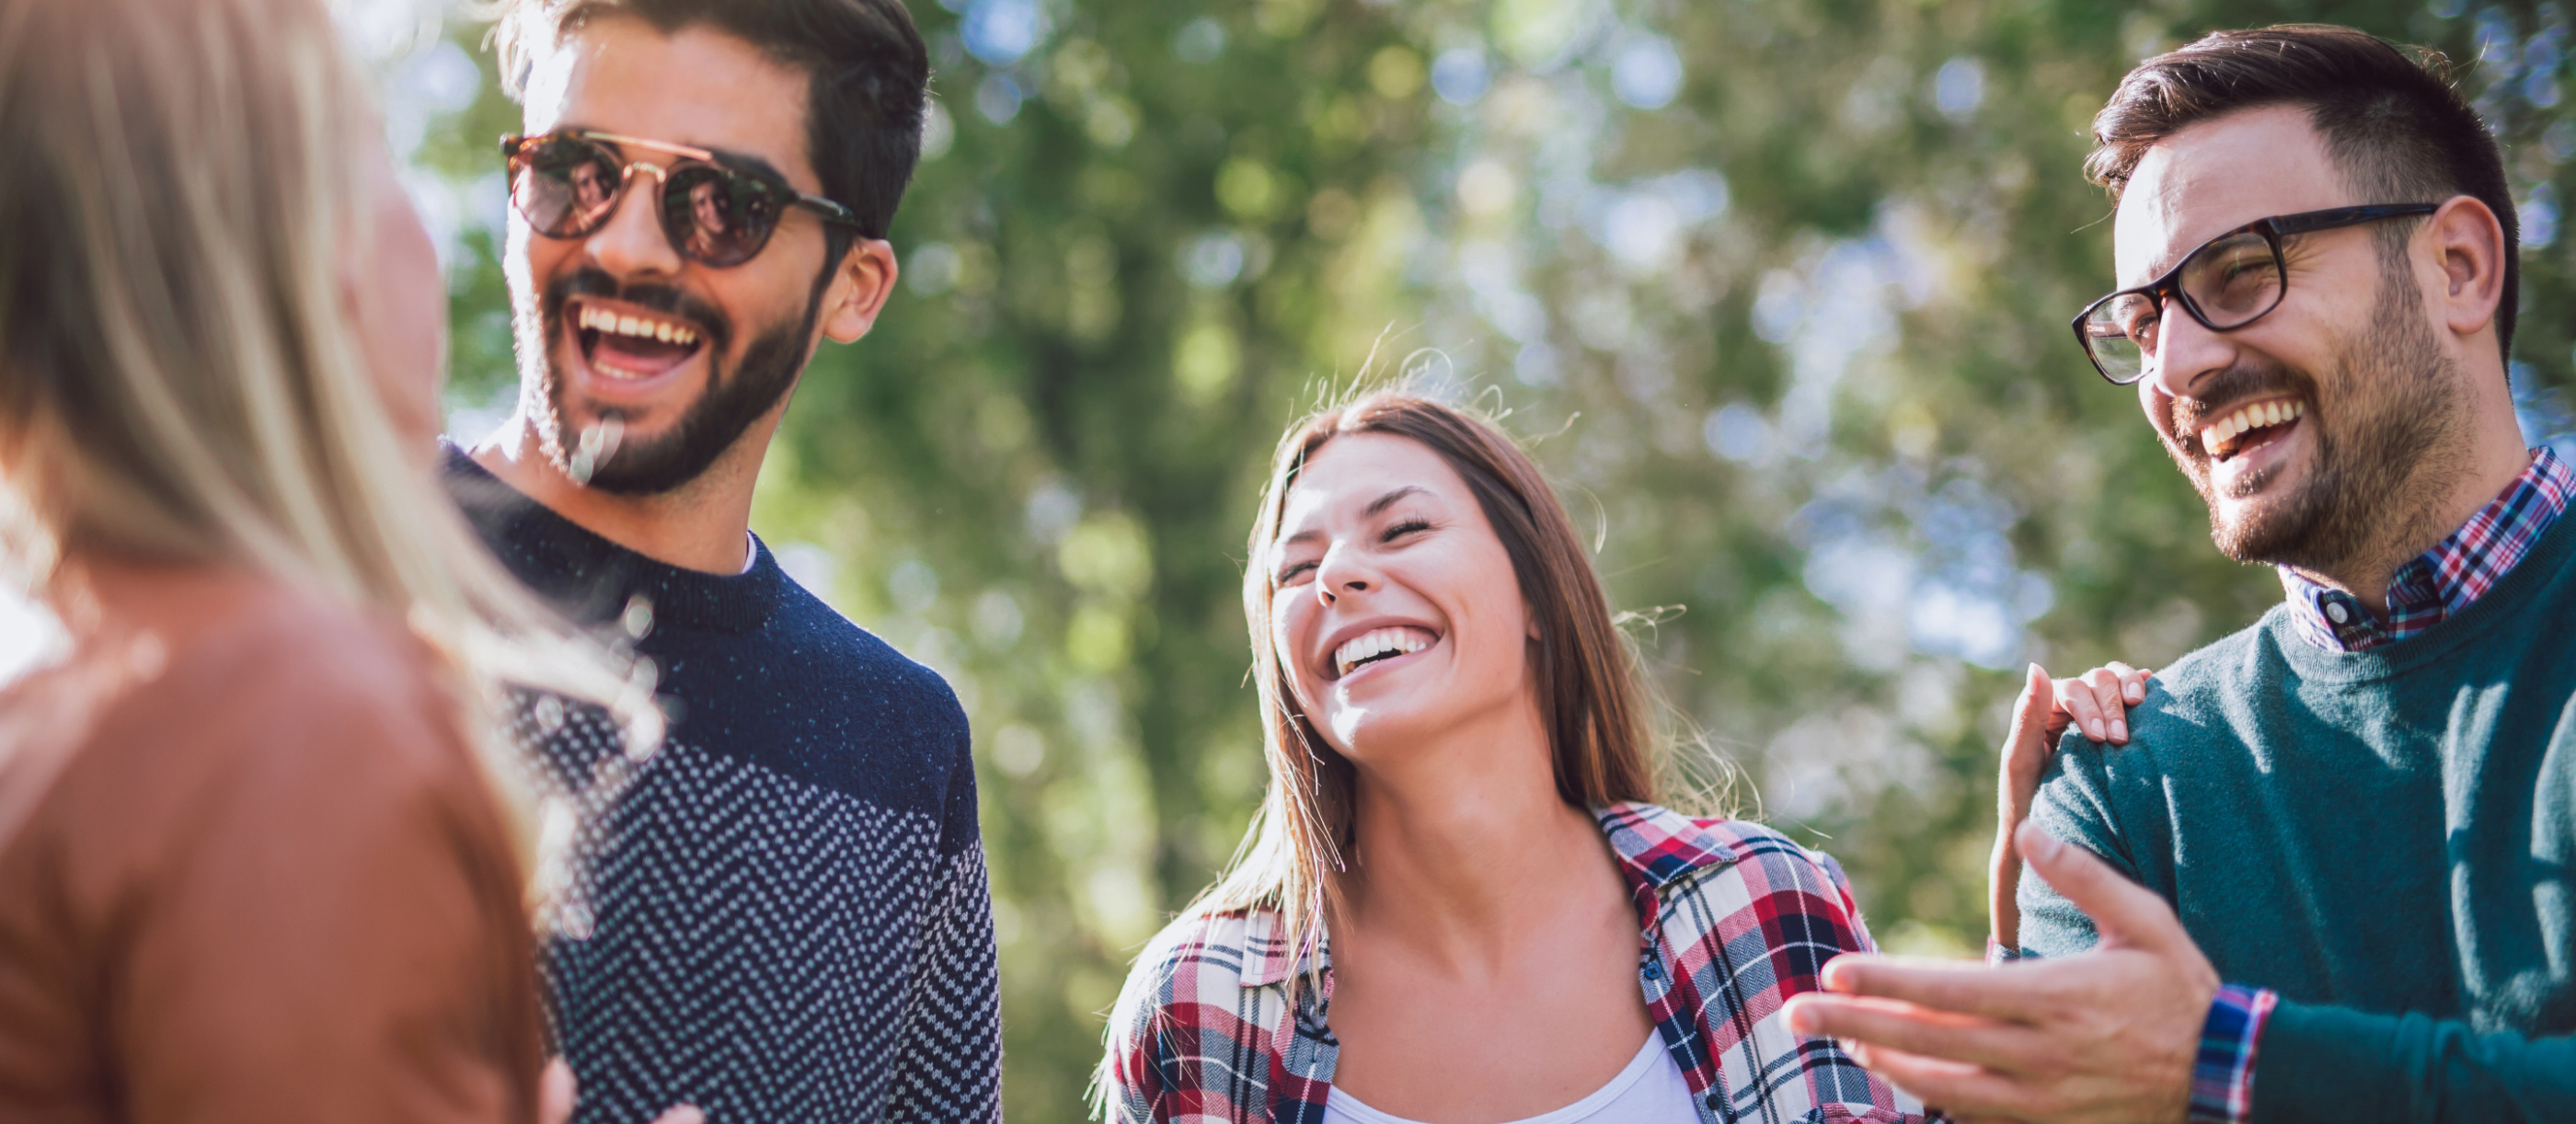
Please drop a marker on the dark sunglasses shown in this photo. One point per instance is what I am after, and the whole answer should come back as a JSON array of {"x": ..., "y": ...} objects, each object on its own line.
[
  {"x": 568, "y": 183},
  {"x": 2229, "y": 282}
]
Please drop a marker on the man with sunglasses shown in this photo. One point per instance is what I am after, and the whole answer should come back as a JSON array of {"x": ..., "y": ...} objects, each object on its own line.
[
  {"x": 2332, "y": 875},
  {"x": 780, "y": 913}
]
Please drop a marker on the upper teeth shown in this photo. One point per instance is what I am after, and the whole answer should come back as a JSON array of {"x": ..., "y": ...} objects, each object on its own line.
[
  {"x": 1378, "y": 642},
  {"x": 2219, "y": 437},
  {"x": 645, "y": 327}
]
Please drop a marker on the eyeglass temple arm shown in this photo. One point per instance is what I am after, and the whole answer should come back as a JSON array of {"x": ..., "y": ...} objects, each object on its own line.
[{"x": 2348, "y": 216}]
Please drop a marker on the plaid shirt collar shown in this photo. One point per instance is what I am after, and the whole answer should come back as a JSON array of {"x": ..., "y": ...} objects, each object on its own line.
[
  {"x": 2436, "y": 585},
  {"x": 1655, "y": 847}
]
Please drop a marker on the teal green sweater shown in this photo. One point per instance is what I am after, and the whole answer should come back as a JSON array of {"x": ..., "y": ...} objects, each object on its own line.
[{"x": 2386, "y": 838}]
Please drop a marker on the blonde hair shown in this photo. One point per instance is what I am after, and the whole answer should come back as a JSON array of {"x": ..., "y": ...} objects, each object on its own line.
[{"x": 179, "y": 379}]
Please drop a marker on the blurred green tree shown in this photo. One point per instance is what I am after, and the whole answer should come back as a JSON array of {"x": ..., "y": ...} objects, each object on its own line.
[{"x": 1778, "y": 288}]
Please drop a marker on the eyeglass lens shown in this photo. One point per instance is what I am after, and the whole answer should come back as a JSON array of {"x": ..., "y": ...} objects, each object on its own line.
[
  {"x": 568, "y": 186},
  {"x": 2231, "y": 283}
]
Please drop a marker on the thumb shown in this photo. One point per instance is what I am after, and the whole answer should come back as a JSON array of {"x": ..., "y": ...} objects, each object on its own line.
[
  {"x": 2124, "y": 913},
  {"x": 555, "y": 1093},
  {"x": 2035, "y": 714}
]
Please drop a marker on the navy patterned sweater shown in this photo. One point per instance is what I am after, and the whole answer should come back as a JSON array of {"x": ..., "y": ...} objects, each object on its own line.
[{"x": 782, "y": 913}]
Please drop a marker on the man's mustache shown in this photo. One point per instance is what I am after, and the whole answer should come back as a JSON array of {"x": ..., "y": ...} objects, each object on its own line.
[
  {"x": 592, "y": 281},
  {"x": 2227, "y": 389}
]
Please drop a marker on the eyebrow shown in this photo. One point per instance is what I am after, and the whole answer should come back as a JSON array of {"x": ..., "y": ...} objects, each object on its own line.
[
  {"x": 1374, "y": 509},
  {"x": 1388, "y": 500}
]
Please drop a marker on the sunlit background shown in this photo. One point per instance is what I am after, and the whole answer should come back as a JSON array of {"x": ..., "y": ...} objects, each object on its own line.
[{"x": 1779, "y": 290}]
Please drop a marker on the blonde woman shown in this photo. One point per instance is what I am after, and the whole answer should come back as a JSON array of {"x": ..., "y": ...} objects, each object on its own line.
[{"x": 258, "y": 861}]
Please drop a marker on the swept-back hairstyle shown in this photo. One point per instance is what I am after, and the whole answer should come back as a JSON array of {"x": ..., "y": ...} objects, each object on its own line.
[
  {"x": 2392, "y": 121},
  {"x": 867, "y": 75},
  {"x": 179, "y": 379},
  {"x": 1590, "y": 699}
]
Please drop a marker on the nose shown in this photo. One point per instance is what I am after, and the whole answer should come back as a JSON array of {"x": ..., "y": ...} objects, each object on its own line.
[
  {"x": 631, "y": 243},
  {"x": 1342, "y": 571},
  {"x": 2187, "y": 353}
]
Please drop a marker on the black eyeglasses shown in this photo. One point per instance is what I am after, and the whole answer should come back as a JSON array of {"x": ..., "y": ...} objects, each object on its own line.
[
  {"x": 2229, "y": 282},
  {"x": 568, "y": 183}
]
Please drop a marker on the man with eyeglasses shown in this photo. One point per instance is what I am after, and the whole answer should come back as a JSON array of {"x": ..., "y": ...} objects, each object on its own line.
[
  {"x": 781, "y": 912},
  {"x": 2332, "y": 875}
]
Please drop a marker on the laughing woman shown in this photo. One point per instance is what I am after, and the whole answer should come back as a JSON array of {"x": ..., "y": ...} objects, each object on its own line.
[{"x": 1459, "y": 902}]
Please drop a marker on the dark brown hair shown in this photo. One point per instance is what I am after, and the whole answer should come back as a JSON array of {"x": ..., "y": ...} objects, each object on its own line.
[
  {"x": 867, "y": 75},
  {"x": 1589, "y": 694},
  {"x": 2391, "y": 119}
]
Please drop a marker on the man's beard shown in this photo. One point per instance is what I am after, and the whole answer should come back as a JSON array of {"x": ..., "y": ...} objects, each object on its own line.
[
  {"x": 2383, "y": 449},
  {"x": 603, "y": 456}
]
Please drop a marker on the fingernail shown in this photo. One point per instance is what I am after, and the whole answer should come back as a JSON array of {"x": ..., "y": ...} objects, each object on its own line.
[
  {"x": 1802, "y": 1020},
  {"x": 2094, "y": 728},
  {"x": 2119, "y": 731}
]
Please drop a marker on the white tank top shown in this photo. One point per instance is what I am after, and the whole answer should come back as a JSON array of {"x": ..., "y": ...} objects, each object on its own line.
[{"x": 1651, "y": 1090}]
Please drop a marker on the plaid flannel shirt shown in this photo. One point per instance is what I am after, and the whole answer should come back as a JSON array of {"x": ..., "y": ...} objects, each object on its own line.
[
  {"x": 2440, "y": 582},
  {"x": 1734, "y": 919}
]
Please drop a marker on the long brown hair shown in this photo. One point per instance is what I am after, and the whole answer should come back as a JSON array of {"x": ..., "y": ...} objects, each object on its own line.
[{"x": 1594, "y": 707}]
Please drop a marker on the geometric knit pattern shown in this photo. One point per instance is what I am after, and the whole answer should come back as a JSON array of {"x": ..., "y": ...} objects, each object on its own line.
[
  {"x": 1733, "y": 919},
  {"x": 706, "y": 872},
  {"x": 780, "y": 914}
]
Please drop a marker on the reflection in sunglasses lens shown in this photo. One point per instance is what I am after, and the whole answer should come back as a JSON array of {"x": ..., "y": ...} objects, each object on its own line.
[{"x": 566, "y": 186}]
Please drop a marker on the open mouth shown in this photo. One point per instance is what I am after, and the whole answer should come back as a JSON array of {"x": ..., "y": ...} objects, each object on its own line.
[
  {"x": 2250, "y": 427},
  {"x": 1379, "y": 645},
  {"x": 633, "y": 344}
]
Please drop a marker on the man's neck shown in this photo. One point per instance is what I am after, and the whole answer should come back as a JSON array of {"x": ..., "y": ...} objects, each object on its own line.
[
  {"x": 703, "y": 525},
  {"x": 2490, "y": 466}
]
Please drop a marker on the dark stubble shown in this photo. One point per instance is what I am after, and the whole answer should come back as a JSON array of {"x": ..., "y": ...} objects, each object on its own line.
[
  {"x": 2386, "y": 442},
  {"x": 733, "y": 400}
]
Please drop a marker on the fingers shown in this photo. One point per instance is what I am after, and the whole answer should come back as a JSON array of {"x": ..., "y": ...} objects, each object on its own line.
[
  {"x": 2034, "y": 728},
  {"x": 2126, "y": 914},
  {"x": 1965, "y": 1093},
  {"x": 2133, "y": 680},
  {"x": 682, "y": 1114},
  {"x": 1924, "y": 1031},
  {"x": 2081, "y": 701},
  {"x": 1959, "y": 987},
  {"x": 2051, "y": 717},
  {"x": 555, "y": 1093}
]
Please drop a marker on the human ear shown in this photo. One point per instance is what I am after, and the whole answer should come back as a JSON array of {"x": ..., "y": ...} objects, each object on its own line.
[
  {"x": 2468, "y": 244},
  {"x": 859, "y": 290}
]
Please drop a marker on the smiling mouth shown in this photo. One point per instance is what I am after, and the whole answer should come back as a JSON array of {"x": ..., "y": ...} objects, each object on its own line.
[
  {"x": 626, "y": 345},
  {"x": 1378, "y": 645},
  {"x": 2250, "y": 427}
]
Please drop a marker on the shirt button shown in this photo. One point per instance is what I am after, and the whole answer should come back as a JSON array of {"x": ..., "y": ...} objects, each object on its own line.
[{"x": 2335, "y": 612}]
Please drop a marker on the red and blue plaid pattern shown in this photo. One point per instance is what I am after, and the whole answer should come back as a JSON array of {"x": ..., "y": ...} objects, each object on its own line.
[
  {"x": 1734, "y": 920},
  {"x": 2434, "y": 585},
  {"x": 2222, "y": 1073}
]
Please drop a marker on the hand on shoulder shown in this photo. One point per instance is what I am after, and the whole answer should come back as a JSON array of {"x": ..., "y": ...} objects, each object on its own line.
[{"x": 2095, "y": 703}]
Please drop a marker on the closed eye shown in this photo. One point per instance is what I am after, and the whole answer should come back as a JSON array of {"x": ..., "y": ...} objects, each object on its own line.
[
  {"x": 1407, "y": 526},
  {"x": 1285, "y": 576}
]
